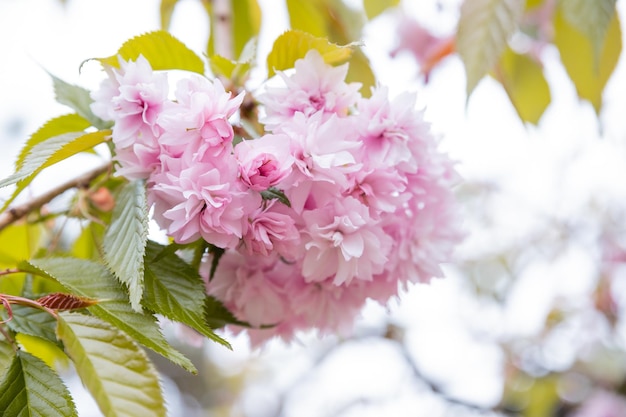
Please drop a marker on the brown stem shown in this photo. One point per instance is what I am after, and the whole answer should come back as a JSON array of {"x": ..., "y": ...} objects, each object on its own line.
[
  {"x": 9, "y": 271},
  {"x": 223, "y": 32},
  {"x": 15, "y": 213}
]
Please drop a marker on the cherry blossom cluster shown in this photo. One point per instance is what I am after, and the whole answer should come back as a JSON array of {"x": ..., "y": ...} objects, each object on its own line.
[{"x": 342, "y": 199}]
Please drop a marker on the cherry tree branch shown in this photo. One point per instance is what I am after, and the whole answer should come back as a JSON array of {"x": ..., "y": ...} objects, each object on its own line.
[
  {"x": 13, "y": 214},
  {"x": 223, "y": 21}
]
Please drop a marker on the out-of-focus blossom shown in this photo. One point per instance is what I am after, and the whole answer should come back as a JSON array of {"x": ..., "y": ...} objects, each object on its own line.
[
  {"x": 427, "y": 49},
  {"x": 602, "y": 404}
]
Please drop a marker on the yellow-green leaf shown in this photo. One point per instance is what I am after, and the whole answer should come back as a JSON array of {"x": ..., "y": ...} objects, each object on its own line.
[
  {"x": 484, "y": 29},
  {"x": 375, "y": 7},
  {"x": 591, "y": 18},
  {"x": 294, "y": 44},
  {"x": 246, "y": 23},
  {"x": 524, "y": 83},
  {"x": 44, "y": 349},
  {"x": 48, "y": 153},
  {"x": 116, "y": 371},
  {"x": 54, "y": 127},
  {"x": 577, "y": 54},
  {"x": 162, "y": 50},
  {"x": 308, "y": 16}
]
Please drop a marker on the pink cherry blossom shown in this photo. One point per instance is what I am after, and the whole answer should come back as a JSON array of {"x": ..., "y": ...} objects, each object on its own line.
[
  {"x": 194, "y": 200},
  {"x": 197, "y": 122},
  {"x": 314, "y": 87},
  {"x": 343, "y": 242},
  {"x": 264, "y": 162},
  {"x": 136, "y": 107},
  {"x": 272, "y": 228}
]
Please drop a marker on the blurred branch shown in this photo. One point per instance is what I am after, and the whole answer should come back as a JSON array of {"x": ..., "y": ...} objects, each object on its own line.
[
  {"x": 13, "y": 214},
  {"x": 223, "y": 39}
]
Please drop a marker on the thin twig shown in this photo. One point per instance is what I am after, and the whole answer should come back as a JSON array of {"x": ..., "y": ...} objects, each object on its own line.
[
  {"x": 223, "y": 33},
  {"x": 15, "y": 213}
]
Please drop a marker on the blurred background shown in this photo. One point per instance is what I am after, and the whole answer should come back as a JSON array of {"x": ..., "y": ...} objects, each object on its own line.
[{"x": 530, "y": 318}]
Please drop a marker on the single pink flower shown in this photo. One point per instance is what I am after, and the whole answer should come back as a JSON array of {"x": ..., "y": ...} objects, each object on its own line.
[
  {"x": 140, "y": 99},
  {"x": 314, "y": 87},
  {"x": 343, "y": 242},
  {"x": 264, "y": 162},
  {"x": 197, "y": 122},
  {"x": 272, "y": 229}
]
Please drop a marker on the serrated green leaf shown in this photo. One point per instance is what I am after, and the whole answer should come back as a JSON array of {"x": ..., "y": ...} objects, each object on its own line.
[
  {"x": 162, "y": 50},
  {"x": 577, "y": 57},
  {"x": 591, "y": 18},
  {"x": 246, "y": 23},
  {"x": 90, "y": 279},
  {"x": 294, "y": 44},
  {"x": 116, "y": 371},
  {"x": 333, "y": 20},
  {"x": 176, "y": 291},
  {"x": 484, "y": 29},
  {"x": 31, "y": 388},
  {"x": 32, "y": 321},
  {"x": 59, "y": 125},
  {"x": 166, "y": 10},
  {"x": 48, "y": 153},
  {"x": 6, "y": 355},
  {"x": 125, "y": 239},
  {"x": 79, "y": 100},
  {"x": 375, "y": 7},
  {"x": 524, "y": 83}
]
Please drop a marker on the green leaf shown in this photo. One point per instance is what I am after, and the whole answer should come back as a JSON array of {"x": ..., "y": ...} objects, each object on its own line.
[
  {"x": 227, "y": 68},
  {"x": 525, "y": 84},
  {"x": 577, "y": 56},
  {"x": 162, "y": 50},
  {"x": 32, "y": 321},
  {"x": 87, "y": 245},
  {"x": 484, "y": 29},
  {"x": 54, "y": 127},
  {"x": 49, "y": 352},
  {"x": 78, "y": 99},
  {"x": 246, "y": 23},
  {"x": 6, "y": 355},
  {"x": 274, "y": 193},
  {"x": 375, "y": 7},
  {"x": 361, "y": 71},
  {"x": 116, "y": 371},
  {"x": 219, "y": 316},
  {"x": 31, "y": 388},
  {"x": 166, "y": 10},
  {"x": 125, "y": 239},
  {"x": 308, "y": 16},
  {"x": 294, "y": 44},
  {"x": 89, "y": 279},
  {"x": 176, "y": 291},
  {"x": 48, "y": 153},
  {"x": 592, "y": 18}
]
